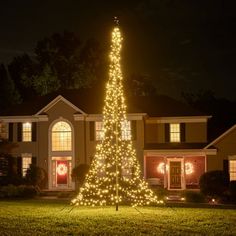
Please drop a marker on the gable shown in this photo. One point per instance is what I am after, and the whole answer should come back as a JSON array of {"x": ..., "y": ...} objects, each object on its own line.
[
  {"x": 61, "y": 105},
  {"x": 228, "y": 137}
]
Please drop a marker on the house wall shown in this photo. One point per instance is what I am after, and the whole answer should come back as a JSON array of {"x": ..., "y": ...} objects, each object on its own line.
[
  {"x": 194, "y": 132},
  {"x": 225, "y": 147},
  {"x": 23, "y": 147}
]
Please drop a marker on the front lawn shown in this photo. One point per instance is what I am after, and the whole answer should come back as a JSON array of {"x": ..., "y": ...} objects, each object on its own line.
[{"x": 38, "y": 217}]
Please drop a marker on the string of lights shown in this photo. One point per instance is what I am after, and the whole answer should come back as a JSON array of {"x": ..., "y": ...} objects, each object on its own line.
[{"x": 114, "y": 176}]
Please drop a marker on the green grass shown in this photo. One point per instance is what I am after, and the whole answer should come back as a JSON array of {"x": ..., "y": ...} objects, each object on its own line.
[{"x": 35, "y": 217}]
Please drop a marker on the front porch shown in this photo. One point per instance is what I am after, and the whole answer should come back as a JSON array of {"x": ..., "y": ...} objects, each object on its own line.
[{"x": 174, "y": 172}]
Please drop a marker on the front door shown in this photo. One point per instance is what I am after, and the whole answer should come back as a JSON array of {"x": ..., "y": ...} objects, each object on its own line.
[
  {"x": 61, "y": 173},
  {"x": 175, "y": 175}
]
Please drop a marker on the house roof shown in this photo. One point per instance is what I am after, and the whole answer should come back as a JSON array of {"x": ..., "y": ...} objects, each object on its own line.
[
  {"x": 91, "y": 102},
  {"x": 169, "y": 146},
  {"x": 227, "y": 132}
]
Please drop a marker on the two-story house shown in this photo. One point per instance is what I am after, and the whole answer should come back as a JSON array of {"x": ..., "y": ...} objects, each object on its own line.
[{"x": 59, "y": 132}]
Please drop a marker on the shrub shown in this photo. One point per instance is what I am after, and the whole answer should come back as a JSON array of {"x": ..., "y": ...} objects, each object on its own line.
[
  {"x": 193, "y": 196},
  {"x": 160, "y": 192},
  {"x": 214, "y": 183},
  {"x": 36, "y": 176},
  {"x": 21, "y": 191},
  {"x": 232, "y": 191},
  {"x": 79, "y": 173}
]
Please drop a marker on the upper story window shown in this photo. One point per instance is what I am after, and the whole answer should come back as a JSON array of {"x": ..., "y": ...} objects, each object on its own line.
[
  {"x": 125, "y": 130},
  {"x": 61, "y": 137},
  {"x": 26, "y": 162},
  {"x": 99, "y": 134},
  {"x": 3, "y": 130},
  {"x": 27, "y": 132},
  {"x": 232, "y": 170},
  {"x": 174, "y": 133}
]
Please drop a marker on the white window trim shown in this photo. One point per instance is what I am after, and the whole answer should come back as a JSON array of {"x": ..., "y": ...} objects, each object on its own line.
[
  {"x": 231, "y": 158},
  {"x": 177, "y": 132},
  {"x": 52, "y": 154},
  {"x": 23, "y": 132},
  {"x": 125, "y": 137},
  {"x": 7, "y": 130},
  {"x": 25, "y": 156}
]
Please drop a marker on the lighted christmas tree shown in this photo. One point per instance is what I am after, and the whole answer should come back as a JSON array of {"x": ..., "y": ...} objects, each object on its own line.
[{"x": 115, "y": 176}]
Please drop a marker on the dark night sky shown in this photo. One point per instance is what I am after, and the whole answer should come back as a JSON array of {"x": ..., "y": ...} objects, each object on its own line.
[{"x": 182, "y": 45}]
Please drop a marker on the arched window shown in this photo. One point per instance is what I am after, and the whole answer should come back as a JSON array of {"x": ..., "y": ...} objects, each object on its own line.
[{"x": 61, "y": 136}]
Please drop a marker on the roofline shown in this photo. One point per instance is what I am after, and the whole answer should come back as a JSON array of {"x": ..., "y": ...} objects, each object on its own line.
[
  {"x": 179, "y": 119},
  {"x": 180, "y": 151},
  {"x": 33, "y": 118},
  {"x": 55, "y": 101},
  {"x": 221, "y": 136}
]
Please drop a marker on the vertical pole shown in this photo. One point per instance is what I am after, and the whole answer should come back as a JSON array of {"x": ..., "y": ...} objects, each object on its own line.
[{"x": 117, "y": 189}]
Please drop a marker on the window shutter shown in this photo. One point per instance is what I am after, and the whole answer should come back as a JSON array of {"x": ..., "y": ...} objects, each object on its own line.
[
  {"x": 34, "y": 161},
  {"x": 92, "y": 130},
  {"x": 226, "y": 167},
  {"x": 134, "y": 129},
  {"x": 167, "y": 132},
  {"x": 19, "y": 166},
  {"x": 19, "y": 132},
  {"x": 182, "y": 132},
  {"x": 34, "y": 132},
  {"x": 10, "y": 132}
]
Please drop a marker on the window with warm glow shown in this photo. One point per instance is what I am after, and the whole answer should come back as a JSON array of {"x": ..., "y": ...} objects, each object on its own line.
[
  {"x": 27, "y": 132},
  {"x": 26, "y": 162},
  {"x": 99, "y": 134},
  {"x": 126, "y": 130},
  {"x": 3, "y": 130},
  {"x": 61, "y": 137},
  {"x": 174, "y": 133},
  {"x": 232, "y": 170}
]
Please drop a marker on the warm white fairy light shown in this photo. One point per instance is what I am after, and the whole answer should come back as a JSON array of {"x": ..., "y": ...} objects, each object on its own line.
[
  {"x": 162, "y": 168},
  {"x": 114, "y": 157}
]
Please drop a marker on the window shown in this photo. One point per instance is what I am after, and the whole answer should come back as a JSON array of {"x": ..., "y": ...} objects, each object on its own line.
[
  {"x": 126, "y": 130},
  {"x": 232, "y": 170},
  {"x": 27, "y": 132},
  {"x": 26, "y": 162},
  {"x": 174, "y": 132},
  {"x": 99, "y": 134},
  {"x": 3, "y": 130},
  {"x": 61, "y": 137}
]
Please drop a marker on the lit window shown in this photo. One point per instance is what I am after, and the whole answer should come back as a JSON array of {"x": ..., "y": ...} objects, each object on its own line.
[
  {"x": 99, "y": 130},
  {"x": 232, "y": 170},
  {"x": 174, "y": 132},
  {"x": 126, "y": 130},
  {"x": 3, "y": 130},
  {"x": 26, "y": 162},
  {"x": 61, "y": 137},
  {"x": 27, "y": 132}
]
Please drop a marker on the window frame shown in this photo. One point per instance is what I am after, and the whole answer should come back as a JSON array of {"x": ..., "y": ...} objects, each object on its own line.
[
  {"x": 175, "y": 135},
  {"x": 5, "y": 134},
  {"x": 232, "y": 173},
  {"x": 27, "y": 132},
  {"x": 56, "y": 136},
  {"x": 126, "y": 135},
  {"x": 98, "y": 129},
  {"x": 26, "y": 166}
]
